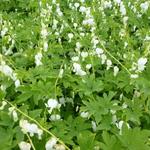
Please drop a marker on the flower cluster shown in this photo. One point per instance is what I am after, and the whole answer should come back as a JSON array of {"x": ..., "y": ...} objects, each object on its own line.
[
  {"x": 8, "y": 71},
  {"x": 30, "y": 128},
  {"x": 52, "y": 144},
  {"x": 138, "y": 67}
]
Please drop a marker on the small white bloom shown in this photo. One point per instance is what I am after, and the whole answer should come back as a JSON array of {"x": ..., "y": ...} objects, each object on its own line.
[
  {"x": 122, "y": 9},
  {"x": 103, "y": 57},
  {"x": 75, "y": 58},
  {"x": 76, "y": 5},
  {"x": 3, "y": 105},
  {"x": 124, "y": 105},
  {"x": 108, "y": 63},
  {"x": 15, "y": 116},
  {"x": 50, "y": 143},
  {"x": 84, "y": 54},
  {"x": 38, "y": 58},
  {"x": 75, "y": 25},
  {"x": 61, "y": 73},
  {"x": 89, "y": 22},
  {"x": 52, "y": 103},
  {"x": 117, "y": 1},
  {"x": 45, "y": 46},
  {"x": 84, "y": 114},
  {"x": 6, "y": 70},
  {"x": 94, "y": 126},
  {"x": 120, "y": 124},
  {"x": 144, "y": 6},
  {"x": 32, "y": 129},
  {"x": 141, "y": 63},
  {"x": 44, "y": 33},
  {"x": 134, "y": 76},
  {"x": 116, "y": 70},
  {"x": 24, "y": 146},
  {"x": 13, "y": 113},
  {"x": 55, "y": 117},
  {"x": 17, "y": 83},
  {"x": 78, "y": 45},
  {"x": 82, "y": 9},
  {"x": 88, "y": 66},
  {"x": 70, "y": 35},
  {"x": 77, "y": 69},
  {"x": 4, "y": 31},
  {"x": 99, "y": 51},
  {"x": 40, "y": 133},
  {"x": 107, "y": 4},
  {"x": 59, "y": 147}
]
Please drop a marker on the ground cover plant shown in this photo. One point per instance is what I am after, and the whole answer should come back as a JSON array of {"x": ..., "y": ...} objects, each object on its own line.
[{"x": 74, "y": 75}]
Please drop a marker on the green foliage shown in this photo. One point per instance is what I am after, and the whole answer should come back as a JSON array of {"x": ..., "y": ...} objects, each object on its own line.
[{"x": 77, "y": 71}]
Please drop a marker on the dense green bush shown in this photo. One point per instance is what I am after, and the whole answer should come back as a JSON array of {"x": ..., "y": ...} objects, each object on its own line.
[{"x": 74, "y": 74}]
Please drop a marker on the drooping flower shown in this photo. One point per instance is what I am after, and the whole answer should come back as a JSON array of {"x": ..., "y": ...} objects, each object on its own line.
[
  {"x": 108, "y": 63},
  {"x": 55, "y": 117},
  {"x": 50, "y": 144},
  {"x": 134, "y": 76},
  {"x": 24, "y": 145},
  {"x": 3, "y": 105},
  {"x": 38, "y": 58},
  {"x": 84, "y": 114},
  {"x": 116, "y": 70},
  {"x": 52, "y": 104},
  {"x": 141, "y": 64},
  {"x": 30, "y": 128}
]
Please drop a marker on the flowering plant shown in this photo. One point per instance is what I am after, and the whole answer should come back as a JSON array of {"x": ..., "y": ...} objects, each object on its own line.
[{"x": 74, "y": 75}]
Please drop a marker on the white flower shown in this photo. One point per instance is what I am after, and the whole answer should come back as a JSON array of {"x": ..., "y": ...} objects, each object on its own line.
[
  {"x": 24, "y": 146},
  {"x": 89, "y": 22},
  {"x": 38, "y": 58},
  {"x": 78, "y": 45},
  {"x": 76, "y": 5},
  {"x": 4, "y": 31},
  {"x": 116, "y": 70},
  {"x": 82, "y": 9},
  {"x": 55, "y": 117},
  {"x": 32, "y": 129},
  {"x": 84, "y": 54},
  {"x": 117, "y": 1},
  {"x": 40, "y": 133},
  {"x": 122, "y": 9},
  {"x": 77, "y": 69},
  {"x": 6, "y": 70},
  {"x": 88, "y": 66},
  {"x": 13, "y": 113},
  {"x": 144, "y": 6},
  {"x": 50, "y": 143},
  {"x": 75, "y": 25},
  {"x": 70, "y": 35},
  {"x": 17, "y": 83},
  {"x": 108, "y": 63},
  {"x": 99, "y": 51},
  {"x": 59, "y": 147},
  {"x": 107, "y": 4},
  {"x": 94, "y": 126},
  {"x": 75, "y": 58},
  {"x": 103, "y": 57},
  {"x": 84, "y": 114},
  {"x": 44, "y": 32},
  {"x": 61, "y": 73},
  {"x": 45, "y": 46},
  {"x": 134, "y": 76},
  {"x": 120, "y": 124},
  {"x": 3, "y": 105},
  {"x": 141, "y": 64}
]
